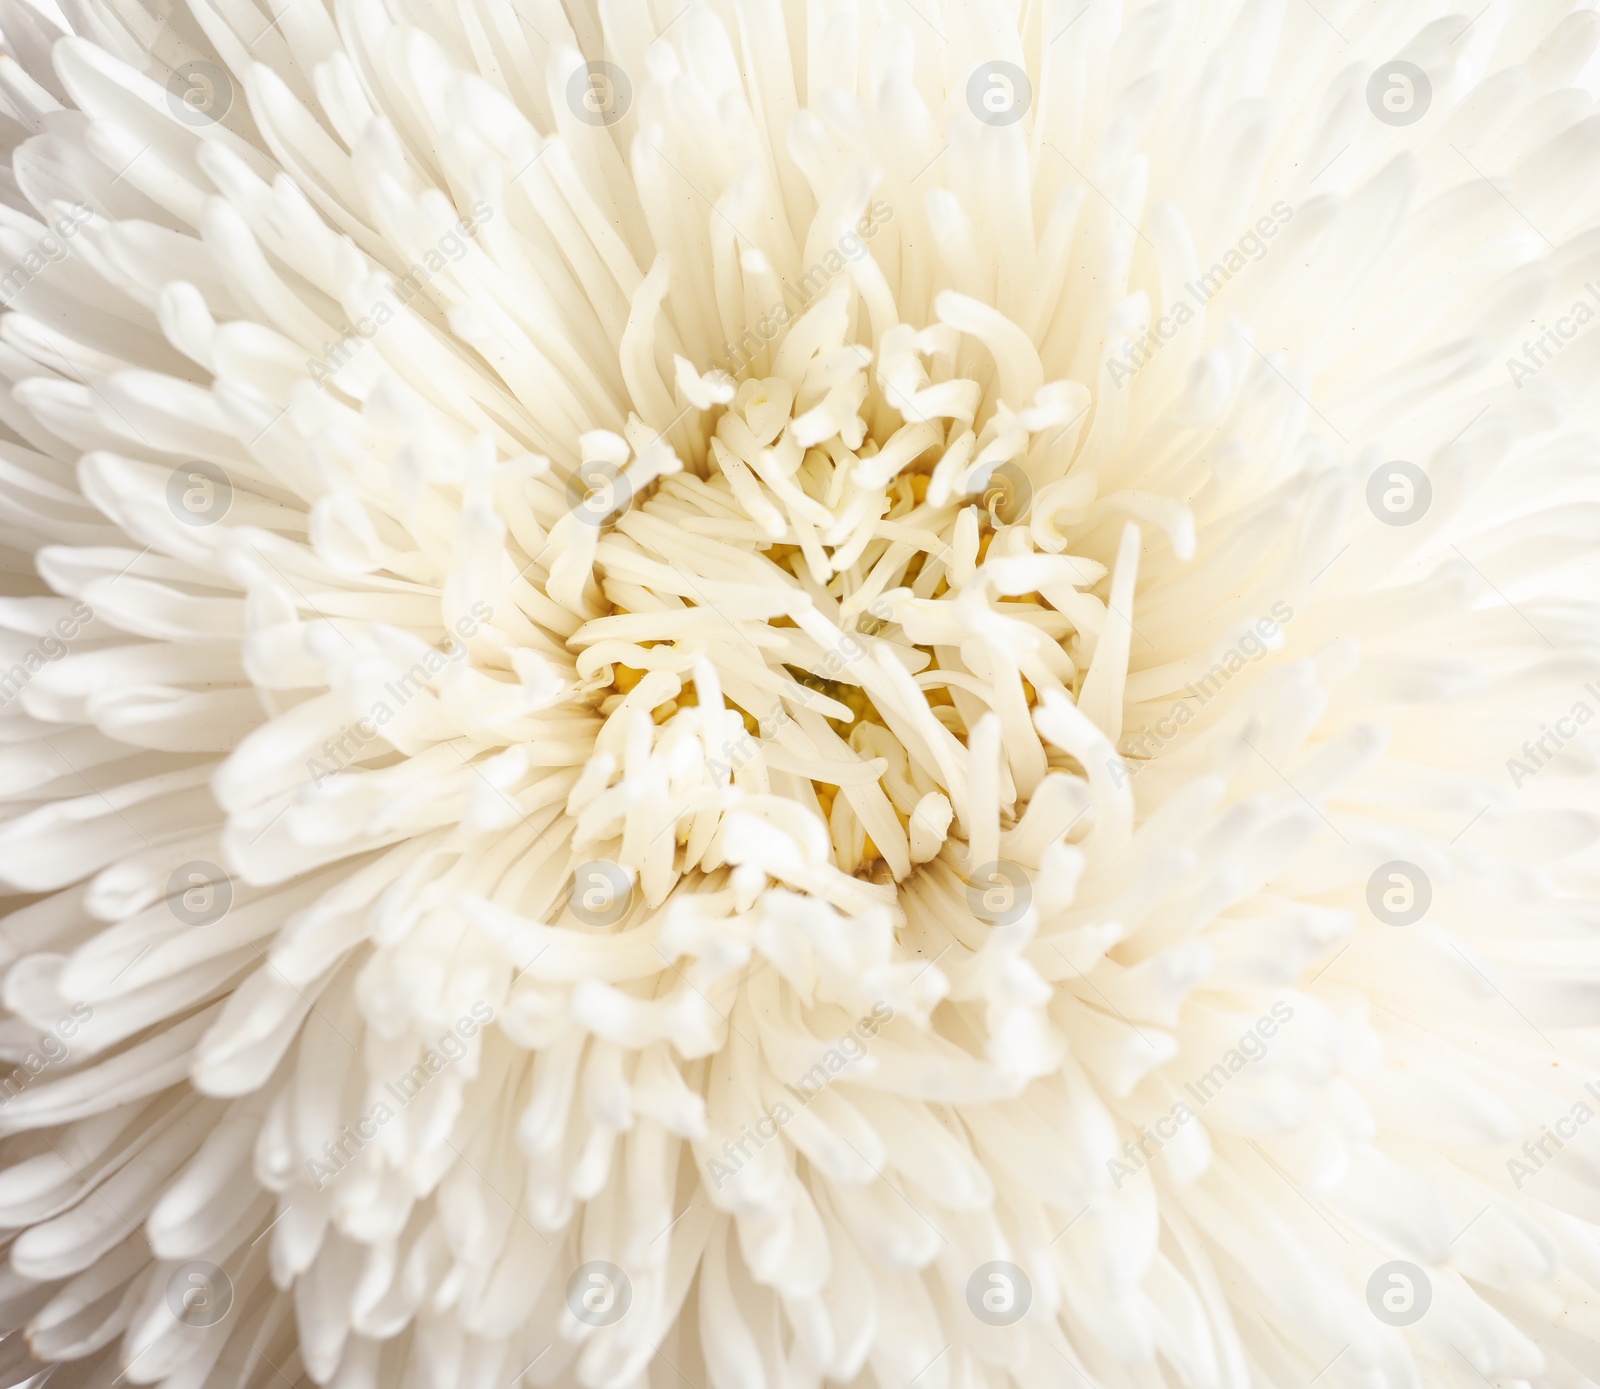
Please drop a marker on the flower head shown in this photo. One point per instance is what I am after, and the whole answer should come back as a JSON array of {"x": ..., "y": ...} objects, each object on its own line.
[{"x": 895, "y": 695}]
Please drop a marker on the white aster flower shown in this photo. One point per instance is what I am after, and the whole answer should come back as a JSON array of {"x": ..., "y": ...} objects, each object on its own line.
[{"x": 795, "y": 691}]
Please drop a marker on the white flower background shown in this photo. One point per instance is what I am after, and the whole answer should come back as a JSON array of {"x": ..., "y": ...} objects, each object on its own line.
[{"x": 751, "y": 693}]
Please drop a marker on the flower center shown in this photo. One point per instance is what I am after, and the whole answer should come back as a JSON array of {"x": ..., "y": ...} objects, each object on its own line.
[{"x": 851, "y": 573}]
